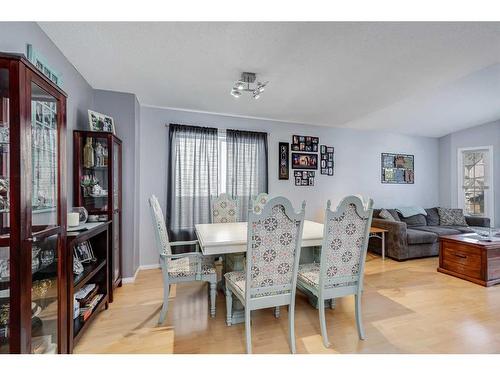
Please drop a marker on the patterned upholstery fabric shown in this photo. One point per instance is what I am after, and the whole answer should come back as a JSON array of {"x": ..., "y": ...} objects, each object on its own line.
[
  {"x": 345, "y": 236},
  {"x": 237, "y": 278},
  {"x": 451, "y": 216},
  {"x": 224, "y": 209},
  {"x": 260, "y": 202},
  {"x": 187, "y": 267},
  {"x": 273, "y": 242},
  {"x": 161, "y": 229},
  {"x": 309, "y": 274}
]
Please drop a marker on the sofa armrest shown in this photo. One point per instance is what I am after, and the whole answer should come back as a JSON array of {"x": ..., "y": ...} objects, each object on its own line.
[
  {"x": 476, "y": 221},
  {"x": 396, "y": 237}
]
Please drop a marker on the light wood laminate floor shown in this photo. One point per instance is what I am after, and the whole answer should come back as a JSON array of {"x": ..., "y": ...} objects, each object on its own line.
[{"x": 408, "y": 307}]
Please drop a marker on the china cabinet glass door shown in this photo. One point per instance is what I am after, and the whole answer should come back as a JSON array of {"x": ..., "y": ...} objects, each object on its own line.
[
  {"x": 4, "y": 212},
  {"x": 45, "y": 222},
  {"x": 94, "y": 181},
  {"x": 116, "y": 212}
]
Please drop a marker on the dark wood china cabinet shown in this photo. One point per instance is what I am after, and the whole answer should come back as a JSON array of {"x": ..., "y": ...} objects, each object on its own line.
[
  {"x": 97, "y": 187},
  {"x": 33, "y": 294}
]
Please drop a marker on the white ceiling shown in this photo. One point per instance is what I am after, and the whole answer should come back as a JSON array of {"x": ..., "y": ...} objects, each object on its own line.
[{"x": 416, "y": 78}]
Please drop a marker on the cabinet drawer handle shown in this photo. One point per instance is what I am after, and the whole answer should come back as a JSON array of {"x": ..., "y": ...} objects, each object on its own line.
[{"x": 461, "y": 256}]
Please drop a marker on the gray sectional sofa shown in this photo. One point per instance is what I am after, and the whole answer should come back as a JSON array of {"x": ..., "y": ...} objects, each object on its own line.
[{"x": 416, "y": 236}]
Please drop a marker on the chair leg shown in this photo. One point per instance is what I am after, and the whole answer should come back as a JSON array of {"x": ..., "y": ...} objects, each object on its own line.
[
  {"x": 213, "y": 295},
  {"x": 332, "y": 303},
  {"x": 322, "y": 322},
  {"x": 359, "y": 321},
  {"x": 277, "y": 312},
  {"x": 163, "y": 313},
  {"x": 291, "y": 328},
  {"x": 248, "y": 332},
  {"x": 229, "y": 306}
]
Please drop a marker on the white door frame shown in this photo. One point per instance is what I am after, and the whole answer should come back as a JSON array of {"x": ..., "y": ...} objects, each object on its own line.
[{"x": 489, "y": 193}]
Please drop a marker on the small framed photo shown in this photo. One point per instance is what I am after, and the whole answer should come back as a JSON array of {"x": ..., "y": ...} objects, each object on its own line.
[
  {"x": 304, "y": 182},
  {"x": 297, "y": 174},
  {"x": 298, "y": 181},
  {"x": 311, "y": 181},
  {"x": 330, "y": 164},
  {"x": 304, "y": 174},
  {"x": 323, "y": 164},
  {"x": 330, "y": 171},
  {"x": 101, "y": 123},
  {"x": 83, "y": 252}
]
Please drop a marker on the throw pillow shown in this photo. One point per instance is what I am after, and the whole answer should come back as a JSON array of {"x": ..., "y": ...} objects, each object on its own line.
[
  {"x": 384, "y": 214},
  {"x": 451, "y": 216}
]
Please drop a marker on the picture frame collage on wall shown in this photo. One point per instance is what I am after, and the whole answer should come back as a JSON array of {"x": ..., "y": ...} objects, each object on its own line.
[
  {"x": 304, "y": 178},
  {"x": 397, "y": 168},
  {"x": 326, "y": 160},
  {"x": 304, "y": 156}
]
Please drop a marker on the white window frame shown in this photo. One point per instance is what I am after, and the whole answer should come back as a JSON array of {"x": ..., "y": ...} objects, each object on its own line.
[{"x": 489, "y": 209}]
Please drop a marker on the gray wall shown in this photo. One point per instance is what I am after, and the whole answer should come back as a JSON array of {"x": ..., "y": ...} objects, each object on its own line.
[
  {"x": 482, "y": 135},
  {"x": 124, "y": 110},
  {"x": 14, "y": 36},
  {"x": 357, "y": 165}
]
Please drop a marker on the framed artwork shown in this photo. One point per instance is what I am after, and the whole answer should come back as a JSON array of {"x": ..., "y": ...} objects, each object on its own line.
[
  {"x": 101, "y": 123},
  {"x": 304, "y": 161},
  {"x": 305, "y": 143},
  {"x": 397, "y": 168},
  {"x": 284, "y": 161},
  {"x": 304, "y": 178},
  {"x": 326, "y": 160}
]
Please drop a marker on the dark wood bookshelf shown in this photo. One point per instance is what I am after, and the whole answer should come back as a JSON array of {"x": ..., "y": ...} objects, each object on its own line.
[{"x": 96, "y": 272}]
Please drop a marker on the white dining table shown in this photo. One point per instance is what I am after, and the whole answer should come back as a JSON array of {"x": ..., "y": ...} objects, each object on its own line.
[{"x": 230, "y": 238}]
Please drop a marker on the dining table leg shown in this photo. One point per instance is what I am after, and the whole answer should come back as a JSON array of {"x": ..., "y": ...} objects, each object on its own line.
[{"x": 235, "y": 262}]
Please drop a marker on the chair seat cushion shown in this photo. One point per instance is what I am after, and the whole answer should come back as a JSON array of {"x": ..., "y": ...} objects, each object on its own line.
[
  {"x": 309, "y": 274},
  {"x": 237, "y": 279},
  {"x": 185, "y": 267}
]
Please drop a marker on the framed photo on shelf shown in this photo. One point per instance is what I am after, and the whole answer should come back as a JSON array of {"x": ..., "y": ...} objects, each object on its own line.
[
  {"x": 304, "y": 161},
  {"x": 101, "y": 123},
  {"x": 284, "y": 161},
  {"x": 83, "y": 252}
]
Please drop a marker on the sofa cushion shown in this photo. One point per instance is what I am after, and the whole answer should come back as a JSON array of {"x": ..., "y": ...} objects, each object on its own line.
[
  {"x": 417, "y": 237},
  {"x": 439, "y": 230},
  {"x": 459, "y": 228},
  {"x": 451, "y": 216},
  {"x": 384, "y": 214},
  {"x": 432, "y": 216},
  {"x": 414, "y": 221}
]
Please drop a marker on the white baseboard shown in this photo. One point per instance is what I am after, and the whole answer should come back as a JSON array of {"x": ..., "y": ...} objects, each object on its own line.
[{"x": 131, "y": 280}]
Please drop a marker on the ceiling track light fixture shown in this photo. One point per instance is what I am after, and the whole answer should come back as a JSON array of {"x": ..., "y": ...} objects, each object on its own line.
[{"x": 247, "y": 84}]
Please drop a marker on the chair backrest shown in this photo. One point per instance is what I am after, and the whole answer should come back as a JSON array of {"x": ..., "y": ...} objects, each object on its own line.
[
  {"x": 160, "y": 229},
  {"x": 259, "y": 202},
  {"x": 345, "y": 242},
  {"x": 224, "y": 209},
  {"x": 273, "y": 248}
]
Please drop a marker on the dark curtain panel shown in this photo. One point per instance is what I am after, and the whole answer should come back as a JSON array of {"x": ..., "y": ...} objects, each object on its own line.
[
  {"x": 192, "y": 179},
  {"x": 246, "y": 166}
]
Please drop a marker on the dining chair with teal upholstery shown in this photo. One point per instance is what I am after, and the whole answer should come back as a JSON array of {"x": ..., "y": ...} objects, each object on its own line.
[
  {"x": 274, "y": 239},
  {"x": 343, "y": 254},
  {"x": 224, "y": 209},
  {"x": 179, "y": 268}
]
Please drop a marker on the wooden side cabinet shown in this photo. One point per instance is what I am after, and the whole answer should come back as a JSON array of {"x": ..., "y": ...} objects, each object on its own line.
[{"x": 97, "y": 186}]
